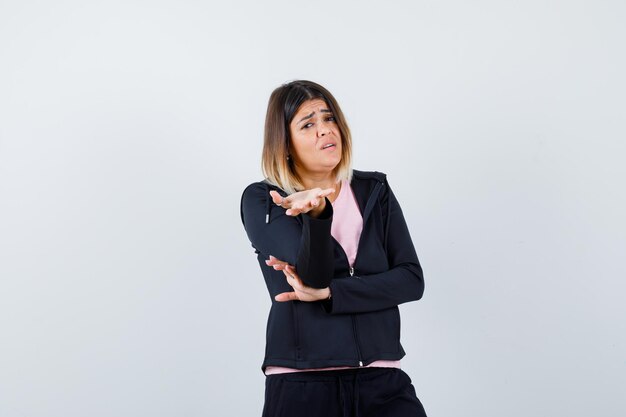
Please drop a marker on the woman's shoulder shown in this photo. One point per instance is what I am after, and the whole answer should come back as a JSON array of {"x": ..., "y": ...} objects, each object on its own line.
[
  {"x": 255, "y": 190},
  {"x": 258, "y": 194},
  {"x": 369, "y": 175},
  {"x": 263, "y": 186}
]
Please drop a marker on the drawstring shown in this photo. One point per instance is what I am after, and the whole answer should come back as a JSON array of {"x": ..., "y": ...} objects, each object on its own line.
[
  {"x": 355, "y": 396},
  {"x": 268, "y": 205},
  {"x": 341, "y": 395},
  {"x": 269, "y": 202}
]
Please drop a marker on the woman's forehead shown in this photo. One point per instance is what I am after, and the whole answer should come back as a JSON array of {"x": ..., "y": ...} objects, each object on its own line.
[
  {"x": 310, "y": 108},
  {"x": 315, "y": 104}
]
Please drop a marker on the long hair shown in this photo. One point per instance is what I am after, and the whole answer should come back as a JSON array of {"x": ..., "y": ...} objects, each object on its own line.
[{"x": 281, "y": 109}]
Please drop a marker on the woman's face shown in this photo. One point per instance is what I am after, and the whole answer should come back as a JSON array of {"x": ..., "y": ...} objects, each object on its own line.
[{"x": 315, "y": 138}]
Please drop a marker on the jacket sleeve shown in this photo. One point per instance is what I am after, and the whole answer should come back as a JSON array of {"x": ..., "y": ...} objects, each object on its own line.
[
  {"x": 402, "y": 282},
  {"x": 303, "y": 241}
]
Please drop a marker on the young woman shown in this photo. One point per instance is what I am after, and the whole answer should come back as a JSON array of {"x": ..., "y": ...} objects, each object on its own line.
[{"x": 337, "y": 258}]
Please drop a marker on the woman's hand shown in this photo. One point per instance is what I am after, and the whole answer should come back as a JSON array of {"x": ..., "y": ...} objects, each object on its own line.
[
  {"x": 300, "y": 291},
  {"x": 313, "y": 201}
]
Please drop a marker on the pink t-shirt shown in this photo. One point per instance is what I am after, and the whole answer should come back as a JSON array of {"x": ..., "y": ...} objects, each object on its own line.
[
  {"x": 347, "y": 221},
  {"x": 346, "y": 228}
]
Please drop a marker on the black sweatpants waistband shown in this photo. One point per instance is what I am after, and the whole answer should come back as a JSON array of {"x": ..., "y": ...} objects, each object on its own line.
[{"x": 346, "y": 392}]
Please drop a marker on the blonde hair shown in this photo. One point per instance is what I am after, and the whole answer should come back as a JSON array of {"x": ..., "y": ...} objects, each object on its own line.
[{"x": 284, "y": 102}]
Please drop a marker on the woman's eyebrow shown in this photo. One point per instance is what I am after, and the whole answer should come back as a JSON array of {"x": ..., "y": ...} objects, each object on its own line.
[
  {"x": 311, "y": 115},
  {"x": 306, "y": 117}
]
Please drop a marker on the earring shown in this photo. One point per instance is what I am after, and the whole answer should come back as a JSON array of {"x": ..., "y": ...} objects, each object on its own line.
[{"x": 288, "y": 157}]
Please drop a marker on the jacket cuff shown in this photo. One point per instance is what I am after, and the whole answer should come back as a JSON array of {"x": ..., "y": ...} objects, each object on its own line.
[
  {"x": 326, "y": 214},
  {"x": 328, "y": 304}
]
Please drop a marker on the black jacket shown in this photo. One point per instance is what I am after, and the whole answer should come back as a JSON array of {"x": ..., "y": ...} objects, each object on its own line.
[{"x": 361, "y": 322}]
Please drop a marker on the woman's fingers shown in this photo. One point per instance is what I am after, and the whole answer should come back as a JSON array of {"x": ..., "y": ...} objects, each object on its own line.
[
  {"x": 286, "y": 296},
  {"x": 289, "y": 271},
  {"x": 276, "y": 198},
  {"x": 294, "y": 281},
  {"x": 300, "y": 290},
  {"x": 279, "y": 200},
  {"x": 292, "y": 278},
  {"x": 294, "y": 210},
  {"x": 301, "y": 202},
  {"x": 276, "y": 263},
  {"x": 297, "y": 208}
]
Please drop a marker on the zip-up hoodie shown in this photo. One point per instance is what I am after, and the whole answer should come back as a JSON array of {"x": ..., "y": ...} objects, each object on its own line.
[{"x": 361, "y": 322}]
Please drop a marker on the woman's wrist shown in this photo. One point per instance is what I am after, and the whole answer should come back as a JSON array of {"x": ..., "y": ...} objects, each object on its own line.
[{"x": 319, "y": 209}]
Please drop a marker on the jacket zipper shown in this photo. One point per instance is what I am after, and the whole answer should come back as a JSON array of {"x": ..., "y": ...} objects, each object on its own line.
[
  {"x": 366, "y": 212},
  {"x": 354, "y": 331},
  {"x": 356, "y": 336}
]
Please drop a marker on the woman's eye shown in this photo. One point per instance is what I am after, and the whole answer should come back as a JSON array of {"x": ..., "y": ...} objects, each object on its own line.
[
  {"x": 308, "y": 125},
  {"x": 331, "y": 118}
]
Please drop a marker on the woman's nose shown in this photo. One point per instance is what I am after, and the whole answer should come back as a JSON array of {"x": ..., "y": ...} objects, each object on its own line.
[{"x": 323, "y": 130}]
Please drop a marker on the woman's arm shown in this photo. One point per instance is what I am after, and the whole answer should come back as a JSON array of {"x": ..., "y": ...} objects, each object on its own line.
[
  {"x": 302, "y": 241},
  {"x": 403, "y": 281}
]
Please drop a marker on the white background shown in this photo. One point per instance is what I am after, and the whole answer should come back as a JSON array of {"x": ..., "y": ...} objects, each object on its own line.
[{"x": 129, "y": 129}]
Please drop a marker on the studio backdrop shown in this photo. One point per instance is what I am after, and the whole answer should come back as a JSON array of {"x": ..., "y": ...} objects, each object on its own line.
[{"x": 129, "y": 129}]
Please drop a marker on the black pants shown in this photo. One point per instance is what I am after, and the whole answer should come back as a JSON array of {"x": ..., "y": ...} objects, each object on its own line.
[{"x": 363, "y": 392}]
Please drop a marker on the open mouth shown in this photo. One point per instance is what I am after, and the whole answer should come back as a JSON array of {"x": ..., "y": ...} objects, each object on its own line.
[{"x": 328, "y": 146}]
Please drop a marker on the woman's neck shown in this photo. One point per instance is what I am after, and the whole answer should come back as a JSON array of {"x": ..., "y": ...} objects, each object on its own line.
[
  {"x": 322, "y": 180},
  {"x": 321, "y": 183}
]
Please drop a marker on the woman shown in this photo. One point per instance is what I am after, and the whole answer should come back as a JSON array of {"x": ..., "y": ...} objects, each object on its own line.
[{"x": 337, "y": 259}]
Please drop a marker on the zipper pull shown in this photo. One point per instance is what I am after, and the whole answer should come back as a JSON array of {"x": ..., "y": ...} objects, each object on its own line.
[
  {"x": 360, "y": 363},
  {"x": 351, "y": 271}
]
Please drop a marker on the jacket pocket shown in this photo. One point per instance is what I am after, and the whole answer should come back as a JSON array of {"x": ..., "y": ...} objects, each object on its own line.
[
  {"x": 325, "y": 337},
  {"x": 379, "y": 332}
]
